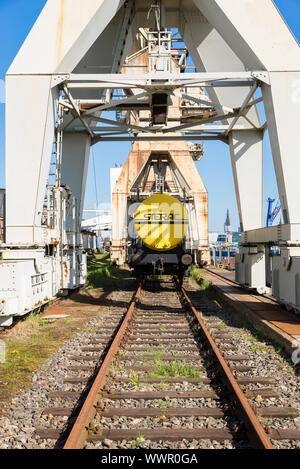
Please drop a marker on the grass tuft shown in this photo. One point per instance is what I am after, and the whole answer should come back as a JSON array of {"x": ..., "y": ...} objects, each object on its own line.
[
  {"x": 134, "y": 381},
  {"x": 135, "y": 443},
  {"x": 174, "y": 369},
  {"x": 204, "y": 283},
  {"x": 101, "y": 273}
]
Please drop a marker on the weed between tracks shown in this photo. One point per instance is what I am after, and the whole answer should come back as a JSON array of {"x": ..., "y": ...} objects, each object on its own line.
[
  {"x": 165, "y": 404},
  {"x": 156, "y": 353},
  {"x": 137, "y": 441},
  {"x": 134, "y": 381},
  {"x": 174, "y": 369}
]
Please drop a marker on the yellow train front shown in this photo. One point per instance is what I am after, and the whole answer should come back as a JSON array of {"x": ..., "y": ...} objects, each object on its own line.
[{"x": 156, "y": 236}]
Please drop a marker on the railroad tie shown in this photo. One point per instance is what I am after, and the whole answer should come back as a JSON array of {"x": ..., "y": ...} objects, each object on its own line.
[{"x": 162, "y": 434}]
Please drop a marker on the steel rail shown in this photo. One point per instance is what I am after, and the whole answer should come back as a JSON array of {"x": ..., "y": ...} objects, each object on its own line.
[
  {"x": 257, "y": 434},
  {"x": 79, "y": 432}
]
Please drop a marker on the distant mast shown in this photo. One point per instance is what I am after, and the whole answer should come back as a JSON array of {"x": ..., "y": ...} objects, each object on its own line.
[{"x": 227, "y": 224}]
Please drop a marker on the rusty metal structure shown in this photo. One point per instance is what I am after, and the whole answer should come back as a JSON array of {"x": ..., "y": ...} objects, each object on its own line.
[
  {"x": 69, "y": 73},
  {"x": 161, "y": 166},
  {"x": 138, "y": 180}
]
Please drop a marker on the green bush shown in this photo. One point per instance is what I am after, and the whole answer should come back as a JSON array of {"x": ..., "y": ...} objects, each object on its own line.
[
  {"x": 203, "y": 282},
  {"x": 96, "y": 277},
  {"x": 100, "y": 271}
]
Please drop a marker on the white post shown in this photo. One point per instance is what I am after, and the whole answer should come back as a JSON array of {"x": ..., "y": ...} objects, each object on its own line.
[{"x": 246, "y": 150}]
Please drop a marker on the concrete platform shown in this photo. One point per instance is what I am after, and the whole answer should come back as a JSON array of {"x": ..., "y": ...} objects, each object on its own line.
[{"x": 263, "y": 313}]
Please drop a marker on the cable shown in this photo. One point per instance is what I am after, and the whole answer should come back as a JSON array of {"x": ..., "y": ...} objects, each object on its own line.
[{"x": 157, "y": 12}]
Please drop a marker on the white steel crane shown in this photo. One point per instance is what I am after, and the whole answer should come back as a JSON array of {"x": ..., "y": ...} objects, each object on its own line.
[{"x": 62, "y": 82}]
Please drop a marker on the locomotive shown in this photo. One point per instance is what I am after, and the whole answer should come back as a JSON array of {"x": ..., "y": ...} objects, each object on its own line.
[{"x": 156, "y": 234}]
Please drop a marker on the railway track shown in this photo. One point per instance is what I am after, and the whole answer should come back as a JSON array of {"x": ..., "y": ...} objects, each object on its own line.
[{"x": 168, "y": 371}]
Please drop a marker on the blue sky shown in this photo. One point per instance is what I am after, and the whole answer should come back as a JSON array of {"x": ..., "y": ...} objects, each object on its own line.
[{"x": 18, "y": 17}]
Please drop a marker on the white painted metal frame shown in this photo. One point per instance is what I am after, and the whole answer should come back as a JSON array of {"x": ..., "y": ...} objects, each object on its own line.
[{"x": 225, "y": 38}]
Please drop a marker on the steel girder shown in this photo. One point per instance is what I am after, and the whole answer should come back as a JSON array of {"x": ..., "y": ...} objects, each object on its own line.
[{"x": 224, "y": 37}]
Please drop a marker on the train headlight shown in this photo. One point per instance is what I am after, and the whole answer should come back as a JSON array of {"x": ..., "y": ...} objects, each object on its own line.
[{"x": 187, "y": 259}]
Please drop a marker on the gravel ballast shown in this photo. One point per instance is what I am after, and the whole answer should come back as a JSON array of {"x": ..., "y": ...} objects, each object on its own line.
[{"x": 24, "y": 413}]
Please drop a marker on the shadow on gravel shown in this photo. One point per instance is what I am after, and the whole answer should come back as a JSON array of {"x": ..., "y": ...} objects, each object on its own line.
[
  {"x": 91, "y": 297},
  {"x": 212, "y": 304}
]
